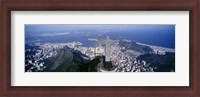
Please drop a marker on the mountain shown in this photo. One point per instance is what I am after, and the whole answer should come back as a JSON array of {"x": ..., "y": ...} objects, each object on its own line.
[
  {"x": 65, "y": 59},
  {"x": 69, "y": 60},
  {"x": 130, "y": 45},
  {"x": 163, "y": 63}
]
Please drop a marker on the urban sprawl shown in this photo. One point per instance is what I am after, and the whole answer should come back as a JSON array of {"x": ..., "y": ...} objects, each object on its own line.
[{"x": 122, "y": 60}]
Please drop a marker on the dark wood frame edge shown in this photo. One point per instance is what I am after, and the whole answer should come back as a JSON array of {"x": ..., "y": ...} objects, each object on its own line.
[{"x": 10, "y": 90}]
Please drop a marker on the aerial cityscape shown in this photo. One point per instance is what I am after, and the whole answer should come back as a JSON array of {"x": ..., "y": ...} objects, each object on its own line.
[{"x": 99, "y": 48}]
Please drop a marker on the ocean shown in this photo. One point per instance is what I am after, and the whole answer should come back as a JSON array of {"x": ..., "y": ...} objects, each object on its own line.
[{"x": 158, "y": 35}]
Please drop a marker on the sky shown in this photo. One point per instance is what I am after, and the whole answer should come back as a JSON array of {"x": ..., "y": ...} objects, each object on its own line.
[{"x": 160, "y": 35}]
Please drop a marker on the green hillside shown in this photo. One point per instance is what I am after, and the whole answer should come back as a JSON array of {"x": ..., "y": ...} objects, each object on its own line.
[{"x": 68, "y": 60}]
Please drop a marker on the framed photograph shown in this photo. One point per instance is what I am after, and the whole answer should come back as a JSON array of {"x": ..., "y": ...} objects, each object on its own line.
[{"x": 140, "y": 48}]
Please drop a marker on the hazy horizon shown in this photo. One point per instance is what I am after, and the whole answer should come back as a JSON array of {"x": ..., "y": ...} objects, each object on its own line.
[{"x": 159, "y": 35}]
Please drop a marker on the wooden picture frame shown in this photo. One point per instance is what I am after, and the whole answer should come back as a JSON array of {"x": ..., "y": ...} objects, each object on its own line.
[{"x": 193, "y": 90}]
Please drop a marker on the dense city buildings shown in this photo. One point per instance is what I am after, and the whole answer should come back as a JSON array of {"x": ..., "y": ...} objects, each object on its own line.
[{"x": 123, "y": 60}]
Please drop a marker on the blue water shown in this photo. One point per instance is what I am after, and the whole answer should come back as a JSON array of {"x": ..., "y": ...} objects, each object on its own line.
[{"x": 159, "y": 35}]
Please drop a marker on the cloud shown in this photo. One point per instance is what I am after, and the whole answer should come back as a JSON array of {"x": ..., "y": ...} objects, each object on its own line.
[{"x": 53, "y": 34}]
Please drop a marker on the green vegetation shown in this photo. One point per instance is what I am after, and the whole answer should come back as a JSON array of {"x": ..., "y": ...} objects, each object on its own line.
[
  {"x": 68, "y": 60},
  {"x": 164, "y": 63},
  {"x": 108, "y": 65},
  {"x": 89, "y": 67}
]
